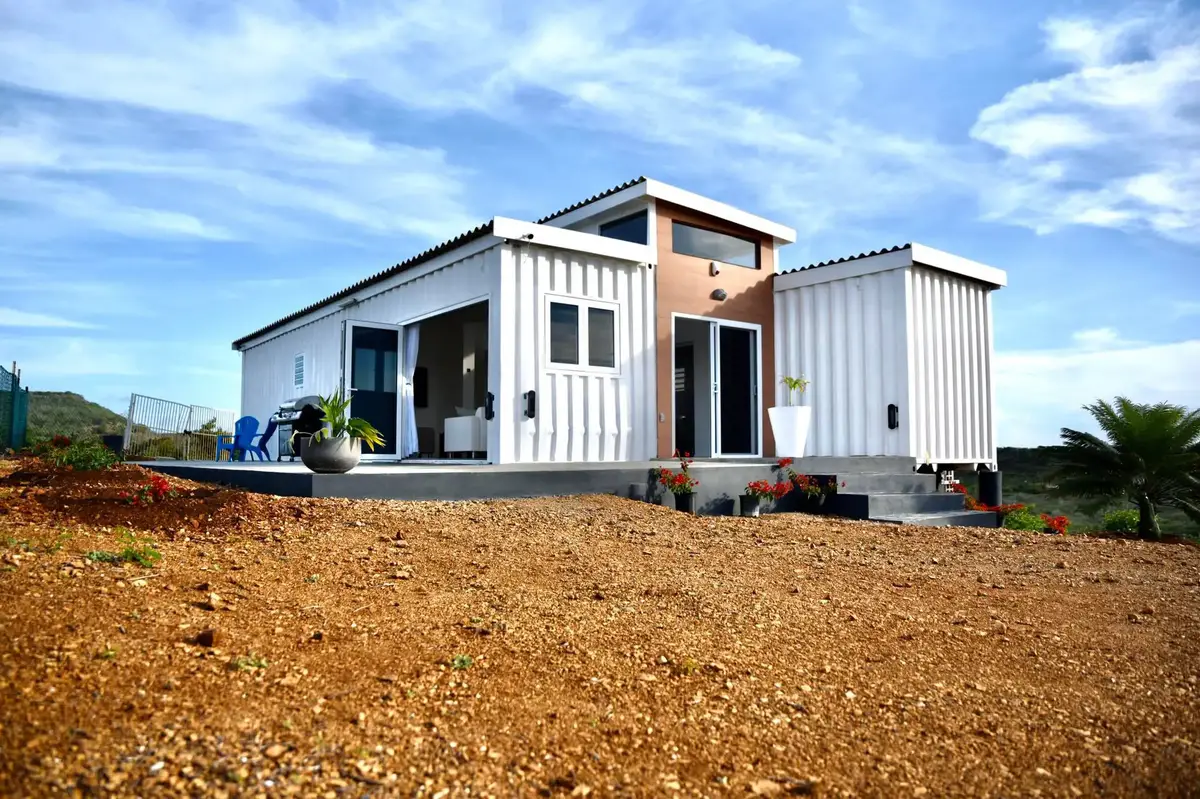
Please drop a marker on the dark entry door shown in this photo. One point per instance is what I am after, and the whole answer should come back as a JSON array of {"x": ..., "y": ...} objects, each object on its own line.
[
  {"x": 738, "y": 369},
  {"x": 374, "y": 353},
  {"x": 685, "y": 398}
]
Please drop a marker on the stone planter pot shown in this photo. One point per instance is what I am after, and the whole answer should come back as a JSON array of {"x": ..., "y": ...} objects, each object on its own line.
[
  {"x": 751, "y": 505},
  {"x": 789, "y": 425},
  {"x": 332, "y": 455},
  {"x": 685, "y": 502}
]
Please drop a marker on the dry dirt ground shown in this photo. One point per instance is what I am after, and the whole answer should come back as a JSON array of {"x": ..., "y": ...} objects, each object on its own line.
[{"x": 578, "y": 646}]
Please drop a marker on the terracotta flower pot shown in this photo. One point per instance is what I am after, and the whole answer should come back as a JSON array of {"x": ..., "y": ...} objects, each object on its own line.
[{"x": 332, "y": 455}]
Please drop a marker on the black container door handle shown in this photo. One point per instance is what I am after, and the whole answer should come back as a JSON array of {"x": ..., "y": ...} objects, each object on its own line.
[
  {"x": 893, "y": 416},
  {"x": 489, "y": 409},
  {"x": 530, "y": 404}
]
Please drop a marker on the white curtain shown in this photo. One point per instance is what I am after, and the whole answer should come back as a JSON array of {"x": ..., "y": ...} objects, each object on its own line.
[{"x": 408, "y": 436}]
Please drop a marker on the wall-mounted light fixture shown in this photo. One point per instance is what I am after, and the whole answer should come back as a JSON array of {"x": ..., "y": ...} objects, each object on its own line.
[
  {"x": 719, "y": 295},
  {"x": 350, "y": 303},
  {"x": 714, "y": 268}
]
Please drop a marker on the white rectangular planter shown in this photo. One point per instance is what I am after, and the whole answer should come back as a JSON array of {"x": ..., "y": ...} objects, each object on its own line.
[{"x": 789, "y": 424}]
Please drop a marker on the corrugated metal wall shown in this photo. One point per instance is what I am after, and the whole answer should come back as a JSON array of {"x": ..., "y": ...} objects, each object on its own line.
[
  {"x": 848, "y": 338},
  {"x": 916, "y": 337},
  {"x": 580, "y": 416},
  {"x": 267, "y": 367},
  {"x": 950, "y": 329}
]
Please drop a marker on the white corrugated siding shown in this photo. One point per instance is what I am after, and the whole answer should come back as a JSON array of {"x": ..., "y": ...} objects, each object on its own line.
[
  {"x": 267, "y": 366},
  {"x": 847, "y": 337},
  {"x": 950, "y": 321},
  {"x": 580, "y": 416}
]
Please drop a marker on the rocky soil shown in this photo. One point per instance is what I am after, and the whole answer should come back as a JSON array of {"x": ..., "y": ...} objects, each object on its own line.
[{"x": 574, "y": 647}]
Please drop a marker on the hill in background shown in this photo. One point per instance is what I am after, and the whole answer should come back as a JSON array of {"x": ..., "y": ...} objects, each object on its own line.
[{"x": 65, "y": 413}]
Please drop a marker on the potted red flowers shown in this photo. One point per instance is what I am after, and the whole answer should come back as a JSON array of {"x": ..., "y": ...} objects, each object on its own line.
[
  {"x": 760, "y": 491},
  {"x": 680, "y": 484},
  {"x": 811, "y": 489}
]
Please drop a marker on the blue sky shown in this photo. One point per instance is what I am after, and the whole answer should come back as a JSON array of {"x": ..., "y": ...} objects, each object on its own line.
[{"x": 176, "y": 174}]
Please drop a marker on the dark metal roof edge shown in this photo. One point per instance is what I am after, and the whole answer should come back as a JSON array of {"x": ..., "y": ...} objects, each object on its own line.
[
  {"x": 606, "y": 193},
  {"x": 897, "y": 248},
  {"x": 419, "y": 258}
]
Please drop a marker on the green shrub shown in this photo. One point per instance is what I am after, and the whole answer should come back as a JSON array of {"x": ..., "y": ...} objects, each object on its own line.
[
  {"x": 1024, "y": 519},
  {"x": 1124, "y": 521},
  {"x": 84, "y": 456}
]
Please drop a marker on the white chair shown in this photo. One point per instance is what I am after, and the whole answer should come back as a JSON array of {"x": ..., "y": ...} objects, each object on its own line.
[{"x": 466, "y": 434}]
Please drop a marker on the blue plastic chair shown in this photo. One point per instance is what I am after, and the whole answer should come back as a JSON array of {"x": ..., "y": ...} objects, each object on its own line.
[{"x": 245, "y": 431}]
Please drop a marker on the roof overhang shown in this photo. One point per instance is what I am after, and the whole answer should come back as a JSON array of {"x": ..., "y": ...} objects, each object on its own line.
[
  {"x": 902, "y": 258},
  {"x": 657, "y": 190},
  {"x": 520, "y": 232}
]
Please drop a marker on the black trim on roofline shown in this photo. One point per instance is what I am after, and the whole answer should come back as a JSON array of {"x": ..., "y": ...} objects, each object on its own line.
[{"x": 843, "y": 260}]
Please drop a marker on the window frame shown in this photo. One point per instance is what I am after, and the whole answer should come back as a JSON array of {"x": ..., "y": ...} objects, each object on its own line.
[
  {"x": 757, "y": 244},
  {"x": 301, "y": 359},
  {"x": 583, "y": 304},
  {"x": 644, "y": 214}
]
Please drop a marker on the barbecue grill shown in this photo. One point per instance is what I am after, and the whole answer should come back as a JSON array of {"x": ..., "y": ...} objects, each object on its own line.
[{"x": 301, "y": 417}]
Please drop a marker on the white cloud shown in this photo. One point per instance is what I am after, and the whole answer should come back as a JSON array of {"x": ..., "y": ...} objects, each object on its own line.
[
  {"x": 244, "y": 148},
  {"x": 1041, "y": 391},
  {"x": 11, "y": 317},
  {"x": 1113, "y": 143}
]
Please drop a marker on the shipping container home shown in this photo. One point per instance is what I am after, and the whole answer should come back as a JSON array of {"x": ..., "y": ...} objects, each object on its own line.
[
  {"x": 640, "y": 321},
  {"x": 898, "y": 344}
]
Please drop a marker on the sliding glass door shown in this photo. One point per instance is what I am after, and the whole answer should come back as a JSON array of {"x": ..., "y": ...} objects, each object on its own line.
[{"x": 735, "y": 364}]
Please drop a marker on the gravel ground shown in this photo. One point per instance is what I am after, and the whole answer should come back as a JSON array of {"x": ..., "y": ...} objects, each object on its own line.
[{"x": 578, "y": 646}]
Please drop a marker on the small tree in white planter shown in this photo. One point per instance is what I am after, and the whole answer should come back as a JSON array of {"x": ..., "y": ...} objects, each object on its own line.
[{"x": 790, "y": 423}]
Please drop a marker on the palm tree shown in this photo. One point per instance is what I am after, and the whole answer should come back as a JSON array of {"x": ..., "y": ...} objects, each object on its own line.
[{"x": 1151, "y": 458}]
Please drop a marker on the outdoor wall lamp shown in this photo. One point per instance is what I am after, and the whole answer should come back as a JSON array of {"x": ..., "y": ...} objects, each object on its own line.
[
  {"x": 719, "y": 295},
  {"x": 713, "y": 268}
]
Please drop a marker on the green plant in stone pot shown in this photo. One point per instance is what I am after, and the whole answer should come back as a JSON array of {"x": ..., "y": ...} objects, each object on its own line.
[{"x": 337, "y": 447}]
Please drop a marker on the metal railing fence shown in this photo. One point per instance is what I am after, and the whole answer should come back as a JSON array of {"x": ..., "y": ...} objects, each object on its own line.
[{"x": 157, "y": 429}]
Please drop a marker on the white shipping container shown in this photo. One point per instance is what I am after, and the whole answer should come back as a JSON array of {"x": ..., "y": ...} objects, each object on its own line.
[{"x": 910, "y": 328}]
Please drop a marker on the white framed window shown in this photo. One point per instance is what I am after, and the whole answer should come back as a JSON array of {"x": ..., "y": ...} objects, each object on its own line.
[
  {"x": 582, "y": 334},
  {"x": 299, "y": 362}
]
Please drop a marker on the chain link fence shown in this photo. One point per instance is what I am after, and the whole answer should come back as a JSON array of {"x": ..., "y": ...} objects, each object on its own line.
[
  {"x": 161, "y": 429},
  {"x": 14, "y": 409}
]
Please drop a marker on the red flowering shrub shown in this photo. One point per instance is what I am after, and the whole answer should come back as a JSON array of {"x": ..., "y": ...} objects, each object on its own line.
[
  {"x": 974, "y": 504},
  {"x": 765, "y": 489},
  {"x": 1056, "y": 524},
  {"x": 811, "y": 487},
  {"x": 156, "y": 489},
  {"x": 680, "y": 482},
  {"x": 60, "y": 442}
]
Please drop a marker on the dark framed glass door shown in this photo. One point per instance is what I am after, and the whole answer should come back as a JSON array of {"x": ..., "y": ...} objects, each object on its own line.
[{"x": 372, "y": 378}]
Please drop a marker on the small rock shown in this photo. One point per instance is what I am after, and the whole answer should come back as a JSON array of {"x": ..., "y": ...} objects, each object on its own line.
[
  {"x": 795, "y": 589},
  {"x": 208, "y": 637},
  {"x": 1062, "y": 564},
  {"x": 1147, "y": 611},
  {"x": 214, "y": 602},
  {"x": 766, "y": 788},
  {"x": 399, "y": 537},
  {"x": 275, "y": 751},
  {"x": 850, "y": 695},
  {"x": 647, "y": 677},
  {"x": 317, "y": 636},
  {"x": 204, "y": 587},
  {"x": 1041, "y": 772}
]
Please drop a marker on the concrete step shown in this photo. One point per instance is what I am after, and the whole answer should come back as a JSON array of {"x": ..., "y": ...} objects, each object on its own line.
[
  {"x": 888, "y": 483},
  {"x": 962, "y": 518},
  {"x": 879, "y": 505}
]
